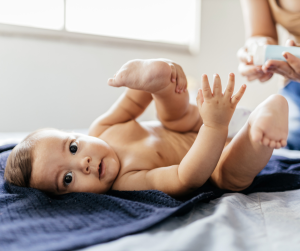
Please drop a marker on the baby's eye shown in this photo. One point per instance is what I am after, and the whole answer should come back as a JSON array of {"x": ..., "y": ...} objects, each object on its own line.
[
  {"x": 73, "y": 148},
  {"x": 68, "y": 178}
]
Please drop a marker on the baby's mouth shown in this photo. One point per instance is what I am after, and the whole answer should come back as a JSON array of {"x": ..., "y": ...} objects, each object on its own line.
[{"x": 100, "y": 169}]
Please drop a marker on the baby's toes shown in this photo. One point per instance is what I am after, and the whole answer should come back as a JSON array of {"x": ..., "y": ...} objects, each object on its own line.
[
  {"x": 111, "y": 81},
  {"x": 272, "y": 144},
  {"x": 283, "y": 143},
  {"x": 265, "y": 141},
  {"x": 278, "y": 145},
  {"x": 181, "y": 85},
  {"x": 256, "y": 134}
]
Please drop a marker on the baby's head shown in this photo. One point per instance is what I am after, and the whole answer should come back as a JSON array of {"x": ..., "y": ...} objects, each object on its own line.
[{"x": 59, "y": 162}]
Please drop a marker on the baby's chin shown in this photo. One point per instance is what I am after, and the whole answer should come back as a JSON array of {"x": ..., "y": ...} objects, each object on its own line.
[{"x": 111, "y": 173}]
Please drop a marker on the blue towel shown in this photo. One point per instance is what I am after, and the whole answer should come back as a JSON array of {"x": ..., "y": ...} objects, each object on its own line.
[{"x": 32, "y": 220}]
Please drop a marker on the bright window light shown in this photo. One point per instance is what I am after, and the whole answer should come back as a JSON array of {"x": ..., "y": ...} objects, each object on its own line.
[
  {"x": 165, "y": 21},
  {"x": 48, "y": 14},
  {"x": 170, "y": 21}
]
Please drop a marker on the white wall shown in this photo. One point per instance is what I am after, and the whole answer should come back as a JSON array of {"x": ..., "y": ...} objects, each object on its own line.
[{"x": 46, "y": 83}]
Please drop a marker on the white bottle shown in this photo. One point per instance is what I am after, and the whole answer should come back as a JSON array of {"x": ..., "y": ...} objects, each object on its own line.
[{"x": 262, "y": 53}]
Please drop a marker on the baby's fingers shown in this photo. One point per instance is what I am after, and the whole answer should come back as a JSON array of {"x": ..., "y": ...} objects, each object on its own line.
[
  {"x": 200, "y": 98},
  {"x": 237, "y": 97},
  {"x": 205, "y": 87},
  {"x": 217, "y": 87},
  {"x": 230, "y": 87}
]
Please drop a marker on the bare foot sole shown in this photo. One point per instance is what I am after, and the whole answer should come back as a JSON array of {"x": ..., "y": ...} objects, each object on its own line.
[
  {"x": 269, "y": 122},
  {"x": 148, "y": 75}
]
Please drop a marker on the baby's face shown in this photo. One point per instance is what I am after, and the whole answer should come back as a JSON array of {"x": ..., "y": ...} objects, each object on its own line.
[{"x": 71, "y": 162}]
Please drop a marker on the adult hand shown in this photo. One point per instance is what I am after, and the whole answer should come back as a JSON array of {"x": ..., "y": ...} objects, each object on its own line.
[
  {"x": 246, "y": 67},
  {"x": 289, "y": 68}
]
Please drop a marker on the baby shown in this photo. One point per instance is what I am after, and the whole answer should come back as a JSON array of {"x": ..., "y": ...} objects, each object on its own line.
[{"x": 176, "y": 155}]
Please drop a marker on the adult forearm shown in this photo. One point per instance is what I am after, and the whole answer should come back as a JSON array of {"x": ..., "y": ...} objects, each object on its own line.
[
  {"x": 201, "y": 160},
  {"x": 258, "y": 19}
]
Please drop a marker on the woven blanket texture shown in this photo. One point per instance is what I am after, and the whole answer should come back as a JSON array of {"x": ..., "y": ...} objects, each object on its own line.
[{"x": 32, "y": 220}]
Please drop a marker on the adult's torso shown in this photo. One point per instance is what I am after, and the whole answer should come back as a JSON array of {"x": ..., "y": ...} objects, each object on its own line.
[{"x": 287, "y": 14}]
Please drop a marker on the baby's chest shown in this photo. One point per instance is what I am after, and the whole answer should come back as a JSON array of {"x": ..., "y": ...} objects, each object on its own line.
[
  {"x": 144, "y": 154},
  {"x": 150, "y": 153},
  {"x": 143, "y": 147}
]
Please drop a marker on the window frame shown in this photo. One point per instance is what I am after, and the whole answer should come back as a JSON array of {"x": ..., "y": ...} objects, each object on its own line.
[{"x": 12, "y": 30}]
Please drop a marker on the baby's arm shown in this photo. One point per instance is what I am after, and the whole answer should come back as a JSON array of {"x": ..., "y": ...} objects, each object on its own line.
[
  {"x": 197, "y": 166},
  {"x": 216, "y": 110},
  {"x": 129, "y": 106}
]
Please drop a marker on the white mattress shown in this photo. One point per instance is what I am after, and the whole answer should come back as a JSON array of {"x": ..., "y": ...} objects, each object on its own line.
[{"x": 259, "y": 221}]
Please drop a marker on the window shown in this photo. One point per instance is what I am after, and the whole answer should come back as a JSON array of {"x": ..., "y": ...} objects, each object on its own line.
[
  {"x": 169, "y": 22},
  {"x": 48, "y": 14}
]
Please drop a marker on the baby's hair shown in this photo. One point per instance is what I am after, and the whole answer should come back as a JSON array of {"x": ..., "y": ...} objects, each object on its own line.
[{"x": 19, "y": 163}]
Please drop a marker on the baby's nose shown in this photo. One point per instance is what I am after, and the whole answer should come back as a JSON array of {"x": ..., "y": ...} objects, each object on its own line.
[{"x": 86, "y": 165}]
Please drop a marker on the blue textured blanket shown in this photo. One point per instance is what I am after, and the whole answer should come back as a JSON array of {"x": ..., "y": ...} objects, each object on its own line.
[{"x": 31, "y": 220}]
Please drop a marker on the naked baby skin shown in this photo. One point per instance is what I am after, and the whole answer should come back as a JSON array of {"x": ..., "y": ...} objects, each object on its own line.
[{"x": 176, "y": 154}]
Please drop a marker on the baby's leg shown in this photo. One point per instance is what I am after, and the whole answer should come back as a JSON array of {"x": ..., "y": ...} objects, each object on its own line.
[
  {"x": 167, "y": 83},
  {"x": 250, "y": 150},
  {"x": 175, "y": 112}
]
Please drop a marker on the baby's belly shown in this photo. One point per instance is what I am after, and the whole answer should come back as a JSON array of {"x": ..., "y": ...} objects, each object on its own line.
[
  {"x": 165, "y": 148},
  {"x": 148, "y": 145}
]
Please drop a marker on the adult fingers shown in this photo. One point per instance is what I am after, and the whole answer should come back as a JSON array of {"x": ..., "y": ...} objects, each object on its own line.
[
  {"x": 248, "y": 70},
  {"x": 265, "y": 77},
  {"x": 253, "y": 72},
  {"x": 244, "y": 56},
  {"x": 280, "y": 67},
  {"x": 237, "y": 97},
  {"x": 255, "y": 76},
  {"x": 290, "y": 42},
  {"x": 293, "y": 61},
  {"x": 230, "y": 86},
  {"x": 205, "y": 87}
]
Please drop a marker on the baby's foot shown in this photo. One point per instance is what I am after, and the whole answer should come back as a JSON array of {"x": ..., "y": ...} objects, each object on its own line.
[
  {"x": 150, "y": 75},
  {"x": 269, "y": 122}
]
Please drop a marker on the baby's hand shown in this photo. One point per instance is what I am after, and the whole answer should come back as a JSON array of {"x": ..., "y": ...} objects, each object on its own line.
[{"x": 216, "y": 109}]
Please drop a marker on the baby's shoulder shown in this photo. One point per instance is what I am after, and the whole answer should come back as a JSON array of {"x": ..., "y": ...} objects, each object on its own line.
[{"x": 134, "y": 128}]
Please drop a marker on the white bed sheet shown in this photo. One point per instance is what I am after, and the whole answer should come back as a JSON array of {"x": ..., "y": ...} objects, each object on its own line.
[{"x": 259, "y": 221}]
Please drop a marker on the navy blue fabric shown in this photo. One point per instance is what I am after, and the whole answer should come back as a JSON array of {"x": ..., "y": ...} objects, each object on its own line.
[
  {"x": 32, "y": 220},
  {"x": 292, "y": 94}
]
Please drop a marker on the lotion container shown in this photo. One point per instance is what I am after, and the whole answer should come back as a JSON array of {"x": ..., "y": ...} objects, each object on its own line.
[{"x": 262, "y": 53}]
